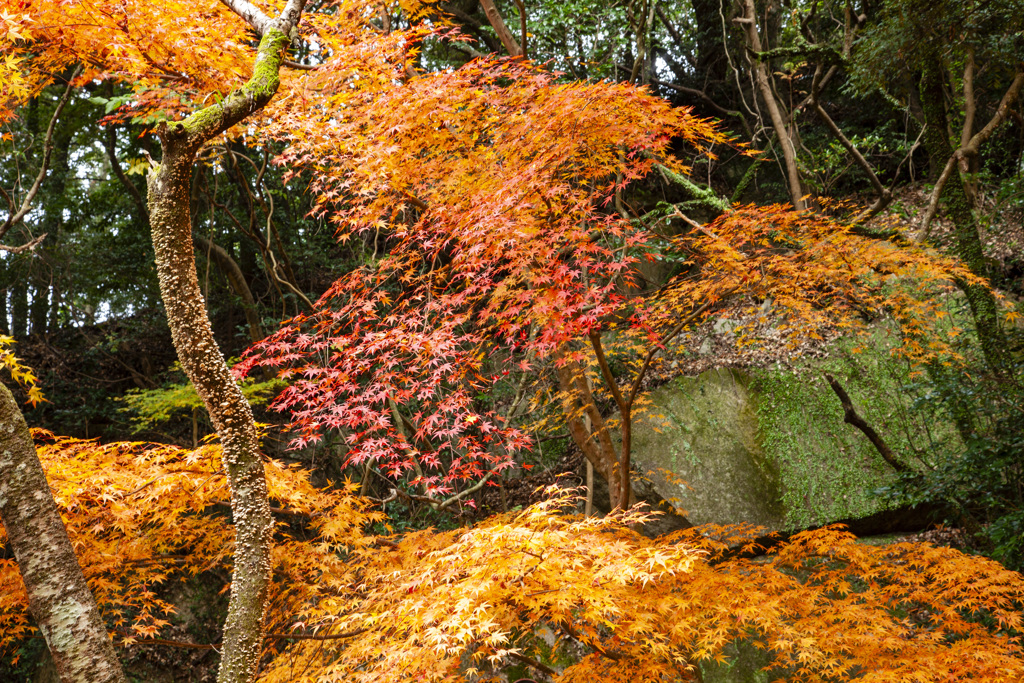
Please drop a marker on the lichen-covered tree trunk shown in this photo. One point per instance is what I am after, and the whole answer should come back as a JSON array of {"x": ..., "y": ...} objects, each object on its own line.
[
  {"x": 171, "y": 225},
  {"x": 59, "y": 598}
]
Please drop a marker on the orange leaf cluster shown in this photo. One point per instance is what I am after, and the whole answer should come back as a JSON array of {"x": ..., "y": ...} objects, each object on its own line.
[
  {"x": 440, "y": 606},
  {"x": 138, "y": 514},
  {"x": 801, "y": 274}
]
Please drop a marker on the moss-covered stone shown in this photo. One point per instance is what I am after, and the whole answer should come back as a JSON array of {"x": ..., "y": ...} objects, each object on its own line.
[
  {"x": 770, "y": 447},
  {"x": 700, "y": 447}
]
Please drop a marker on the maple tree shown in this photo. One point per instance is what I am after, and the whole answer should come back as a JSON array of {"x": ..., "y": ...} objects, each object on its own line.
[
  {"x": 499, "y": 192},
  {"x": 504, "y": 255},
  {"x": 346, "y": 605}
]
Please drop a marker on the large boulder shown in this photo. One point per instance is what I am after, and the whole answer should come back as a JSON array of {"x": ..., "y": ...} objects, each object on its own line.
[
  {"x": 699, "y": 446},
  {"x": 769, "y": 447}
]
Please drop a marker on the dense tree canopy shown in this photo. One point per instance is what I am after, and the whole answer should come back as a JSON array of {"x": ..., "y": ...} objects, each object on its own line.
[{"x": 448, "y": 233}]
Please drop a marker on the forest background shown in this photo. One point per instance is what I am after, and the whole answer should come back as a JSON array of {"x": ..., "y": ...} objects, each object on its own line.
[{"x": 455, "y": 243}]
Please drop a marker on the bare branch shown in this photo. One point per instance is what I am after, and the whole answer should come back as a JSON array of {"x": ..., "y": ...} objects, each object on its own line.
[
  {"x": 522, "y": 25},
  {"x": 249, "y": 13},
  {"x": 447, "y": 502},
  {"x": 115, "y": 165},
  {"x": 702, "y": 95},
  {"x": 28, "y": 246},
  {"x": 462, "y": 494},
  {"x": 884, "y": 195},
  {"x": 467, "y": 50},
  {"x": 606, "y": 372},
  {"x": 851, "y": 417},
  {"x": 533, "y": 663},
  {"x": 973, "y": 146},
  {"x": 933, "y": 202},
  {"x": 26, "y": 203},
  {"x": 301, "y": 67}
]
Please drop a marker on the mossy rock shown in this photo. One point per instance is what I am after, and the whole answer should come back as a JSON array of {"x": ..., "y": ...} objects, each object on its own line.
[
  {"x": 769, "y": 447},
  {"x": 699, "y": 446}
]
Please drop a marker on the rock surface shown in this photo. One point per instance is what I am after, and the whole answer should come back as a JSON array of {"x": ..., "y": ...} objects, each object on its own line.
[{"x": 769, "y": 446}]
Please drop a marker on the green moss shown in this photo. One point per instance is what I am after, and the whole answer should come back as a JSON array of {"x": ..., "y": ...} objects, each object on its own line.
[
  {"x": 259, "y": 89},
  {"x": 829, "y": 468}
]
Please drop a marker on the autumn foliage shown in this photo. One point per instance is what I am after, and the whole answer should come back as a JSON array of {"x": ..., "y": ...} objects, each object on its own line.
[
  {"x": 439, "y": 606},
  {"x": 508, "y": 250}
]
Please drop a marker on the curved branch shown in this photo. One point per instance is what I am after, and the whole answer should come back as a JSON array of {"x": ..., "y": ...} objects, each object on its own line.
[
  {"x": 851, "y": 417},
  {"x": 973, "y": 146},
  {"x": 26, "y": 203},
  {"x": 236, "y": 278},
  {"x": 115, "y": 165},
  {"x": 28, "y": 246}
]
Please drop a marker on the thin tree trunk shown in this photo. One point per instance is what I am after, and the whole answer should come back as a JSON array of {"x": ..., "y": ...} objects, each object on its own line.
[
  {"x": 762, "y": 77},
  {"x": 595, "y": 442},
  {"x": 171, "y": 224},
  {"x": 236, "y": 279},
  {"x": 19, "y": 306},
  {"x": 498, "y": 24},
  {"x": 59, "y": 598}
]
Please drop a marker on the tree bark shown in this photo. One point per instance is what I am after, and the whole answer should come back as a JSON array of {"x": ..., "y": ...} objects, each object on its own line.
[
  {"x": 171, "y": 224},
  {"x": 498, "y": 24},
  {"x": 711, "y": 59},
  {"x": 59, "y": 598},
  {"x": 762, "y": 77},
  {"x": 594, "y": 440},
  {"x": 19, "y": 304},
  {"x": 967, "y": 241}
]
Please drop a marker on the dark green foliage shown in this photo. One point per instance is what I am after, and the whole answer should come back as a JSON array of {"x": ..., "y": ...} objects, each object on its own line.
[{"x": 983, "y": 485}]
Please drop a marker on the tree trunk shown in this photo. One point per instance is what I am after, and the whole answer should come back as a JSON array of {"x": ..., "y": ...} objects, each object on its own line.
[
  {"x": 5, "y": 327},
  {"x": 593, "y": 439},
  {"x": 40, "y": 310},
  {"x": 19, "y": 306},
  {"x": 711, "y": 57},
  {"x": 236, "y": 279},
  {"x": 498, "y": 24},
  {"x": 763, "y": 78},
  {"x": 171, "y": 224},
  {"x": 967, "y": 242},
  {"x": 59, "y": 598}
]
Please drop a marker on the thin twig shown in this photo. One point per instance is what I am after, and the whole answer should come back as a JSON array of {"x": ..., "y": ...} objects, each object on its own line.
[{"x": 26, "y": 203}]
